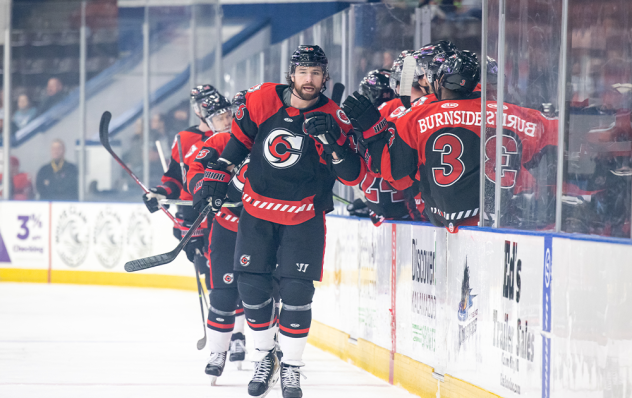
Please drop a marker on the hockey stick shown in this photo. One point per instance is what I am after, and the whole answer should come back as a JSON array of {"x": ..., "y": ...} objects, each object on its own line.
[
  {"x": 341, "y": 199},
  {"x": 166, "y": 258},
  {"x": 197, "y": 274},
  {"x": 182, "y": 168},
  {"x": 104, "y": 137},
  {"x": 336, "y": 93},
  {"x": 406, "y": 85},
  {"x": 161, "y": 154},
  {"x": 182, "y": 202}
]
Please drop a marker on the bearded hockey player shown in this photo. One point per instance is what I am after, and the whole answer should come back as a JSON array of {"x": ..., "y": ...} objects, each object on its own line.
[{"x": 298, "y": 145}]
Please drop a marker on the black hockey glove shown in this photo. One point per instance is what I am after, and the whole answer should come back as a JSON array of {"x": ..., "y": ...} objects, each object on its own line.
[
  {"x": 152, "y": 197},
  {"x": 364, "y": 116},
  {"x": 195, "y": 245},
  {"x": 358, "y": 208},
  {"x": 213, "y": 187},
  {"x": 324, "y": 129}
]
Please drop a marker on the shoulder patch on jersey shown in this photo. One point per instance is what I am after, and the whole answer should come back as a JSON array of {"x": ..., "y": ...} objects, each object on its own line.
[
  {"x": 450, "y": 105},
  {"x": 398, "y": 112},
  {"x": 191, "y": 151},
  {"x": 342, "y": 116},
  {"x": 255, "y": 88}
]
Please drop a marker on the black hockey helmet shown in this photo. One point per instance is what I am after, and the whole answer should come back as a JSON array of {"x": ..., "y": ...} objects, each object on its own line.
[
  {"x": 310, "y": 55},
  {"x": 239, "y": 99},
  {"x": 198, "y": 94},
  {"x": 492, "y": 71},
  {"x": 396, "y": 69},
  {"x": 430, "y": 57},
  {"x": 376, "y": 86},
  {"x": 460, "y": 72},
  {"x": 213, "y": 105}
]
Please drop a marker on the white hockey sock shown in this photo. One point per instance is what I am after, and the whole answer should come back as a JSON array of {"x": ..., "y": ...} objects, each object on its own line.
[
  {"x": 292, "y": 348},
  {"x": 217, "y": 341},
  {"x": 240, "y": 320},
  {"x": 263, "y": 339}
]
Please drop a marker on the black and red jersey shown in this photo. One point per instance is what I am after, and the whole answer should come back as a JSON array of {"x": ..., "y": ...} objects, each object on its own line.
[
  {"x": 382, "y": 198},
  {"x": 440, "y": 144},
  {"x": 290, "y": 178},
  {"x": 191, "y": 139},
  {"x": 389, "y": 106}
]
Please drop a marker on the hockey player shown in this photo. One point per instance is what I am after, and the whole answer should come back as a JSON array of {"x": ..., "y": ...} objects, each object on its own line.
[
  {"x": 439, "y": 144},
  {"x": 171, "y": 187},
  {"x": 443, "y": 155},
  {"x": 298, "y": 147},
  {"x": 382, "y": 200}
]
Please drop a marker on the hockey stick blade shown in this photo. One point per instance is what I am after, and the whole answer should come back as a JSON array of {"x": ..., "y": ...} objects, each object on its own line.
[
  {"x": 406, "y": 85},
  {"x": 336, "y": 93},
  {"x": 161, "y": 259}
]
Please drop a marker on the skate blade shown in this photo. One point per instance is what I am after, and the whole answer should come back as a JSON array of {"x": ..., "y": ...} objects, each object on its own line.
[
  {"x": 238, "y": 363},
  {"x": 273, "y": 382},
  {"x": 213, "y": 380}
]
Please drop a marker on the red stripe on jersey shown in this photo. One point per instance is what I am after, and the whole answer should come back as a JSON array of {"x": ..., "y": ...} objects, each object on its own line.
[
  {"x": 239, "y": 311},
  {"x": 293, "y": 331},
  {"x": 322, "y": 266},
  {"x": 208, "y": 257},
  {"x": 286, "y": 212},
  {"x": 220, "y": 325}
]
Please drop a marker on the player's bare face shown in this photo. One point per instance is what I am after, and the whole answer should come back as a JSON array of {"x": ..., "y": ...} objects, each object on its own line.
[
  {"x": 308, "y": 81},
  {"x": 222, "y": 122}
]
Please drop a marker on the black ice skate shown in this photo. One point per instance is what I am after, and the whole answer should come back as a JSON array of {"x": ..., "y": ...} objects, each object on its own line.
[
  {"x": 266, "y": 375},
  {"x": 291, "y": 381},
  {"x": 215, "y": 366},
  {"x": 237, "y": 349}
]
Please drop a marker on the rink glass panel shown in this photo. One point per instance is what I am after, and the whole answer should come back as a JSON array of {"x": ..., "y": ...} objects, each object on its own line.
[
  {"x": 532, "y": 39},
  {"x": 45, "y": 45},
  {"x": 599, "y": 100}
]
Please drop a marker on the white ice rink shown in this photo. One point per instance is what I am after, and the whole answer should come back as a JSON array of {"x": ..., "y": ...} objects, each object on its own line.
[{"x": 94, "y": 341}]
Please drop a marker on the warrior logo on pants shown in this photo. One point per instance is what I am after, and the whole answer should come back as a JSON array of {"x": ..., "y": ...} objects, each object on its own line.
[
  {"x": 245, "y": 260},
  {"x": 282, "y": 148}
]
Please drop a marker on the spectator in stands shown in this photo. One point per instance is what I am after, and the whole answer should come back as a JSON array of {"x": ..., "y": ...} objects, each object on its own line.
[
  {"x": 54, "y": 93},
  {"x": 25, "y": 112},
  {"x": 21, "y": 185},
  {"x": 58, "y": 180}
]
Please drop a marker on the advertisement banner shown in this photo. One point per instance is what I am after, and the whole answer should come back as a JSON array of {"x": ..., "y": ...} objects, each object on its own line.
[
  {"x": 104, "y": 236},
  {"x": 417, "y": 305},
  {"x": 495, "y": 292},
  {"x": 24, "y": 235}
]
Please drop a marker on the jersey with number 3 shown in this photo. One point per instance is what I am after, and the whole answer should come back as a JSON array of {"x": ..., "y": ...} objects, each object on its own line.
[{"x": 445, "y": 138}]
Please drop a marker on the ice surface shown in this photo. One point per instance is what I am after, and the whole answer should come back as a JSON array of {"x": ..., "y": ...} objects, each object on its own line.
[{"x": 95, "y": 341}]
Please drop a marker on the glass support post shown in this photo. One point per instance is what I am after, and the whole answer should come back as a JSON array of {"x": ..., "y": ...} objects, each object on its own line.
[
  {"x": 561, "y": 103},
  {"x": 481, "y": 199},
  {"x": 82, "y": 103},
  {"x": 145, "y": 149},
  {"x": 499, "y": 111},
  {"x": 6, "y": 131}
]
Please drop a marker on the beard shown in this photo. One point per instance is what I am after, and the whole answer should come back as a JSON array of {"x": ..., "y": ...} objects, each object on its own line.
[{"x": 307, "y": 96}]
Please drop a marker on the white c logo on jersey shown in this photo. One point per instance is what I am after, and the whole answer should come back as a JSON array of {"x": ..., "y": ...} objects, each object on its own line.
[{"x": 282, "y": 148}]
